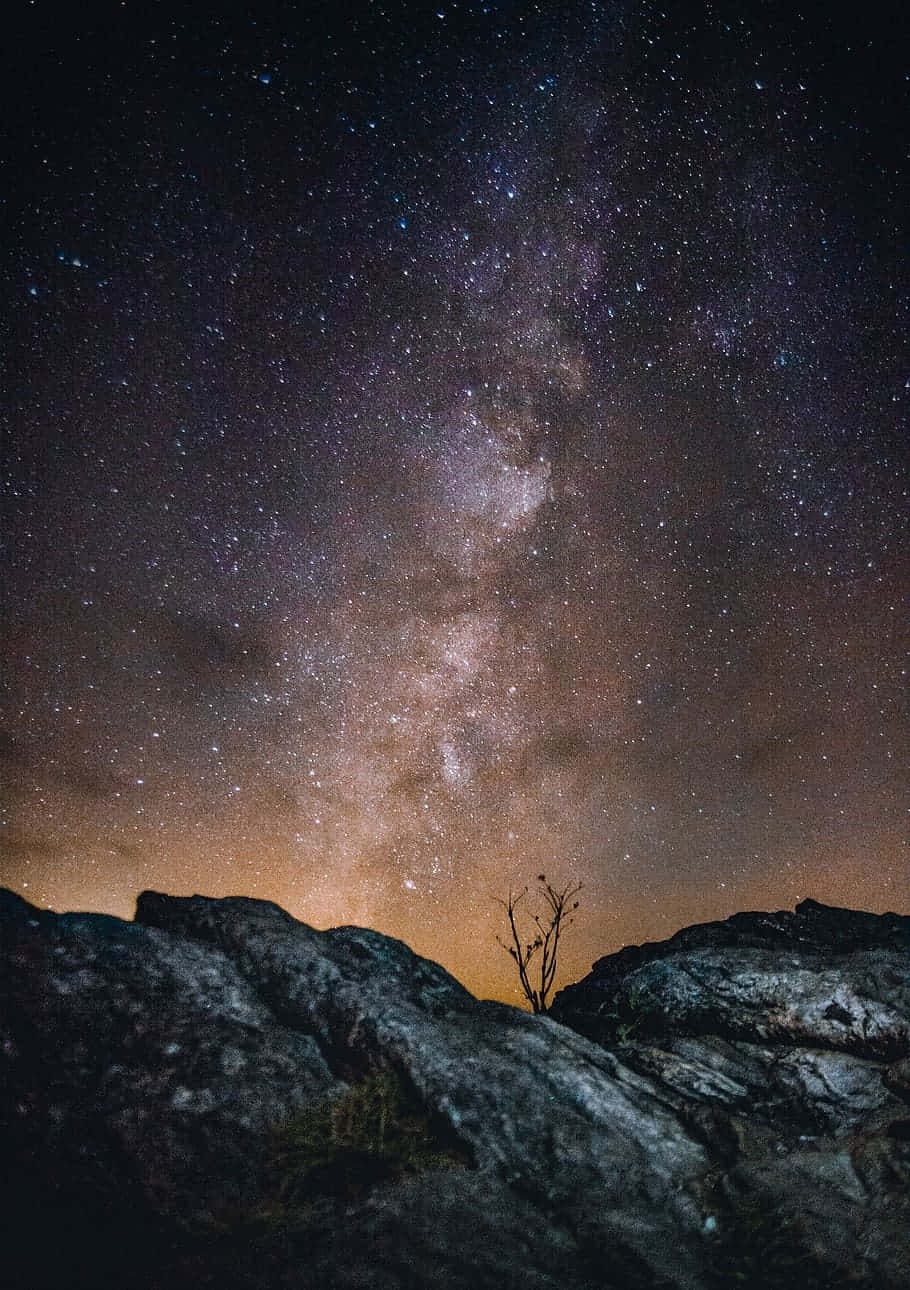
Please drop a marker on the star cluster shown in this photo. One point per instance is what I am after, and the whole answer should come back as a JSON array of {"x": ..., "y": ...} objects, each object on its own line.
[{"x": 448, "y": 443}]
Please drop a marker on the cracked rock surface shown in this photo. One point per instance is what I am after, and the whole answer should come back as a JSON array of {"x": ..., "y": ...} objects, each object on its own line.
[
  {"x": 703, "y": 1112},
  {"x": 787, "y": 1036}
]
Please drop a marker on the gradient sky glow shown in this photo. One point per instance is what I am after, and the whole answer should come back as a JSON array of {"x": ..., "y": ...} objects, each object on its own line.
[{"x": 448, "y": 442}]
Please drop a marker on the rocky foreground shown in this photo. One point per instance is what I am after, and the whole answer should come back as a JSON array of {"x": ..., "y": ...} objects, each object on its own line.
[{"x": 218, "y": 1095}]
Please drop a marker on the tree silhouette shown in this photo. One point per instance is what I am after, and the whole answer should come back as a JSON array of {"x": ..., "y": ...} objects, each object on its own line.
[{"x": 542, "y": 938}]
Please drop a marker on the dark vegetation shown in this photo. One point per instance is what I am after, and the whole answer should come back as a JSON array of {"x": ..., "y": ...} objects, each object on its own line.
[
  {"x": 538, "y": 936},
  {"x": 377, "y": 1131}
]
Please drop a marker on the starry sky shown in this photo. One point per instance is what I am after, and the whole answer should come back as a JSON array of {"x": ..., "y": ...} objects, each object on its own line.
[{"x": 445, "y": 443}]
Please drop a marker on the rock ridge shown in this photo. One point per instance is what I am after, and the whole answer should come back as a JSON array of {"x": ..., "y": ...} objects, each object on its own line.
[{"x": 731, "y": 1103}]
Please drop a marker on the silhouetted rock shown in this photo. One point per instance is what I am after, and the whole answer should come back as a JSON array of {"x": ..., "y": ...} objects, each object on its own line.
[{"x": 147, "y": 1066}]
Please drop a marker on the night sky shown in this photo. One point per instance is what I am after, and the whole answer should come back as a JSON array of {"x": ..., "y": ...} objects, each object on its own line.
[{"x": 445, "y": 443}]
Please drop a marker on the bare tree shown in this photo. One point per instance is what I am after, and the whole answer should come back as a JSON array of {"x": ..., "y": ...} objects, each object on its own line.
[{"x": 540, "y": 939}]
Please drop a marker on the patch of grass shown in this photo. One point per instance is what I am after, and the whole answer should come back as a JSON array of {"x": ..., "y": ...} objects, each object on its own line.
[
  {"x": 633, "y": 1017},
  {"x": 376, "y": 1132}
]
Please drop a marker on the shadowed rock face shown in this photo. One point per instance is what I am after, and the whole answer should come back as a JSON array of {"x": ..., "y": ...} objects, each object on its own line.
[{"x": 145, "y": 1065}]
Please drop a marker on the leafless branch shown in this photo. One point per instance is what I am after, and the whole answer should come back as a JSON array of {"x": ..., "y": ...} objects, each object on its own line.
[{"x": 547, "y": 928}]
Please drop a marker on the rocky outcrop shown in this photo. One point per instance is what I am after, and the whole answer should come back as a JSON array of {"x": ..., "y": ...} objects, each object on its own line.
[
  {"x": 148, "y": 1068},
  {"x": 817, "y": 973},
  {"x": 786, "y": 1036}
]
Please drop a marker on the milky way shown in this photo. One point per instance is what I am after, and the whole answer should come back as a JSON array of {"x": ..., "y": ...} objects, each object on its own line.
[{"x": 445, "y": 444}]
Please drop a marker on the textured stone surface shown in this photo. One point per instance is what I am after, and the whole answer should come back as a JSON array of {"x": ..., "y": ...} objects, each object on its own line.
[
  {"x": 785, "y": 1038},
  {"x": 143, "y": 1060},
  {"x": 144, "y": 1066},
  {"x": 835, "y": 978},
  {"x": 495, "y": 1074}
]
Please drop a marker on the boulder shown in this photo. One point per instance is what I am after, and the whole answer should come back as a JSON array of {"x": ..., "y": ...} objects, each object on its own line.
[
  {"x": 136, "y": 1059},
  {"x": 786, "y": 1036}
]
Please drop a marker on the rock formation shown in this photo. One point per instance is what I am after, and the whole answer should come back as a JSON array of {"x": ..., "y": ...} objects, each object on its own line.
[
  {"x": 727, "y": 1108},
  {"x": 786, "y": 1037}
]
